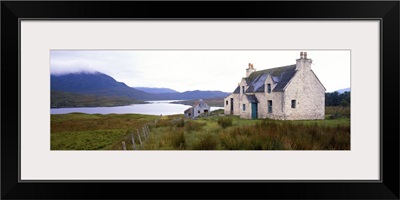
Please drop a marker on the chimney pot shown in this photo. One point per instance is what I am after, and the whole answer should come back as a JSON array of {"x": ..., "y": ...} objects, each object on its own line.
[
  {"x": 301, "y": 54},
  {"x": 305, "y": 55}
]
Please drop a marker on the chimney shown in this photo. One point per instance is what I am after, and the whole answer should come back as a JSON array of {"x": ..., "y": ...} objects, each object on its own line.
[
  {"x": 250, "y": 70},
  {"x": 303, "y": 63}
]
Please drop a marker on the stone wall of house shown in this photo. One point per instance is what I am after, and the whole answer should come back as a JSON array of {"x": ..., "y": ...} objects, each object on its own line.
[
  {"x": 189, "y": 113},
  {"x": 236, "y": 104},
  {"x": 197, "y": 110},
  {"x": 227, "y": 104},
  {"x": 276, "y": 97},
  {"x": 309, "y": 94},
  {"x": 245, "y": 114},
  {"x": 277, "y": 107}
]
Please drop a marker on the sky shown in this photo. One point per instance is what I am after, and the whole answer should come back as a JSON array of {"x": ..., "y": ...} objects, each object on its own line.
[{"x": 187, "y": 70}]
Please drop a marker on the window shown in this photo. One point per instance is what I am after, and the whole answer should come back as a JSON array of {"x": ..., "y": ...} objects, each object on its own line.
[
  {"x": 226, "y": 102},
  {"x": 243, "y": 89},
  {"x": 293, "y": 103},
  {"x": 198, "y": 111},
  {"x": 269, "y": 106},
  {"x": 206, "y": 111},
  {"x": 189, "y": 114},
  {"x": 269, "y": 88},
  {"x": 244, "y": 107}
]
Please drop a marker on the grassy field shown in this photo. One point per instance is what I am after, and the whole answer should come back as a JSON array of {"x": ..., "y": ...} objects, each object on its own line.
[{"x": 78, "y": 131}]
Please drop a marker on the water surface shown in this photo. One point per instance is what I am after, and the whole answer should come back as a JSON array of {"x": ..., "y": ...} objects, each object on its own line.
[{"x": 162, "y": 107}]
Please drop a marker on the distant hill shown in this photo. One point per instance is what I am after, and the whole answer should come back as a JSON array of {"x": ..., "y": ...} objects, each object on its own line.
[
  {"x": 343, "y": 90},
  {"x": 155, "y": 90},
  {"x": 97, "y": 84},
  {"x": 100, "y": 84},
  {"x": 69, "y": 99},
  {"x": 194, "y": 95}
]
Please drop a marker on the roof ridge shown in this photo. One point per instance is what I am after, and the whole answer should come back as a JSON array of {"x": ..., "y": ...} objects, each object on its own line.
[{"x": 276, "y": 68}]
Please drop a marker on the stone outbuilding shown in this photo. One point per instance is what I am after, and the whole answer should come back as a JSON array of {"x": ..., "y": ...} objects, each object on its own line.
[
  {"x": 200, "y": 108},
  {"x": 290, "y": 92}
]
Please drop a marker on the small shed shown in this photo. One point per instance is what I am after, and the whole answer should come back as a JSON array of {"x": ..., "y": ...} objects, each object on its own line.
[{"x": 200, "y": 108}]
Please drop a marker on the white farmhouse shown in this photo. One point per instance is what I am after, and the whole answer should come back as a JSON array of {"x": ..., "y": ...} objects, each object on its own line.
[
  {"x": 199, "y": 108},
  {"x": 290, "y": 92}
]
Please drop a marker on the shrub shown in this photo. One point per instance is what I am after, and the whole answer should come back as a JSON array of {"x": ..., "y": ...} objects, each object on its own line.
[
  {"x": 180, "y": 122},
  {"x": 207, "y": 142},
  {"x": 163, "y": 123},
  {"x": 225, "y": 122},
  {"x": 335, "y": 112},
  {"x": 194, "y": 126},
  {"x": 178, "y": 139},
  {"x": 335, "y": 116}
]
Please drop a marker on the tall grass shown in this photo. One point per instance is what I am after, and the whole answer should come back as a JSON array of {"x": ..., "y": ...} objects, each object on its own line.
[
  {"x": 205, "y": 142},
  {"x": 99, "y": 132},
  {"x": 78, "y": 131},
  {"x": 225, "y": 122},
  {"x": 285, "y": 135},
  {"x": 335, "y": 112}
]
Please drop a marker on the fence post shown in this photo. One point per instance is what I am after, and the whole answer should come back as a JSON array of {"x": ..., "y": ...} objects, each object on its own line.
[
  {"x": 133, "y": 142},
  {"x": 140, "y": 140},
  {"x": 123, "y": 145},
  {"x": 144, "y": 133},
  {"x": 148, "y": 129}
]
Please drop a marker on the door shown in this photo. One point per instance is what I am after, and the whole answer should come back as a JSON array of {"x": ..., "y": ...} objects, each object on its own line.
[
  {"x": 254, "y": 112},
  {"x": 231, "y": 106}
]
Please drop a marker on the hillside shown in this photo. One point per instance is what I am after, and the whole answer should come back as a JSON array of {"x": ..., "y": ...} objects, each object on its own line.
[
  {"x": 100, "y": 84},
  {"x": 97, "y": 84},
  {"x": 194, "y": 95},
  {"x": 155, "y": 90},
  {"x": 69, "y": 99}
]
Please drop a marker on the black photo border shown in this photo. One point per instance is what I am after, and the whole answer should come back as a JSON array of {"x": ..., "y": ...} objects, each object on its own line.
[{"x": 385, "y": 11}]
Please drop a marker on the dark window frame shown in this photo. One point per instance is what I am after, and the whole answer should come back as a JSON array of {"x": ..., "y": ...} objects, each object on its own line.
[
  {"x": 293, "y": 105},
  {"x": 269, "y": 88},
  {"x": 269, "y": 106},
  {"x": 244, "y": 107}
]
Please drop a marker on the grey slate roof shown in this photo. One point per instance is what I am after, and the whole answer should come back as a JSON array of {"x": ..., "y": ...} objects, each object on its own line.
[
  {"x": 237, "y": 90},
  {"x": 201, "y": 104},
  {"x": 188, "y": 110},
  {"x": 280, "y": 75},
  {"x": 252, "y": 98}
]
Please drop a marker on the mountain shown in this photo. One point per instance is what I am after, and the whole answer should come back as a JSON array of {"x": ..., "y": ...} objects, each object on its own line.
[
  {"x": 155, "y": 90},
  {"x": 194, "y": 95},
  {"x": 97, "y": 84},
  {"x": 343, "y": 90},
  {"x": 100, "y": 84},
  {"x": 68, "y": 100}
]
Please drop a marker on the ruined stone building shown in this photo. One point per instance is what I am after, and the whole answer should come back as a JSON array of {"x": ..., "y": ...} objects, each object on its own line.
[
  {"x": 198, "y": 109},
  {"x": 290, "y": 92}
]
